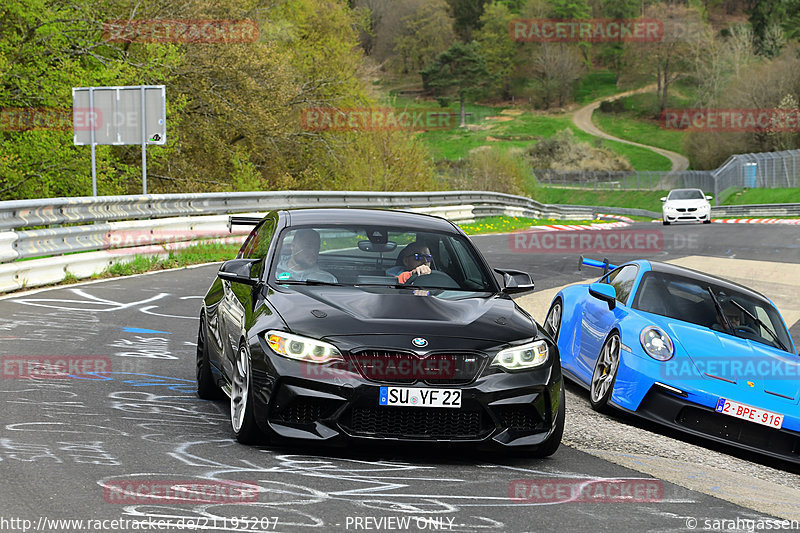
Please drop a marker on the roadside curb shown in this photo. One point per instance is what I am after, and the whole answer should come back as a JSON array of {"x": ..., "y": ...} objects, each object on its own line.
[
  {"x": 579, "y": 227},
  {"x": 790, "y": 221}
]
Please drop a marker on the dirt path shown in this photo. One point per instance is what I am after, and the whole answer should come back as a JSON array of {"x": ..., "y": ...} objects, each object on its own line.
[{"x": 582, "y": 118}]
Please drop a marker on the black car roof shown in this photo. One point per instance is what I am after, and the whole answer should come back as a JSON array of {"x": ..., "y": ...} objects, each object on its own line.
[
  {"x": 702, "y": 276},
  {"x": 376, "y": 217}
]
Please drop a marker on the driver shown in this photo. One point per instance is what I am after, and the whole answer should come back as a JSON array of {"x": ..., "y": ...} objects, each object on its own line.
[
  {"x": 732, "y": 314},
  {"x": 302, "y": 265},
  {"x": 415, "y": 259}
]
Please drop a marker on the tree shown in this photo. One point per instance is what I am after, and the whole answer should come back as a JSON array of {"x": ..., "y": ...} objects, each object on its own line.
[
  {"x": 613, "y": 54},
  {"x": 467, "y": 15},
  {"x": 460, "y": 69},
  {"x": 670, "y": 57},
  {"x": 496, "y": 46},
  {"x": 774, "y": 21},
  {"x": 424, "y": 35},
  {"x": 556, "y": 68}
]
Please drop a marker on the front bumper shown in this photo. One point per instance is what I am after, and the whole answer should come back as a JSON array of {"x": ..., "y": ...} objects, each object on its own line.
[
  {"x": 671, "y": 410},
  {"x": 498, "y": 409},
  {"x": 687, "y": 216}
]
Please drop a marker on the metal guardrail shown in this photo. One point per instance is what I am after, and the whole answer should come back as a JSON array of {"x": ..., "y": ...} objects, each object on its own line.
[
  {"x": 756, "y": 210},
  {"x": 101, "y": 229},
  {"x": 111, "y": 231},
  {"x": 45, "y": 212}
]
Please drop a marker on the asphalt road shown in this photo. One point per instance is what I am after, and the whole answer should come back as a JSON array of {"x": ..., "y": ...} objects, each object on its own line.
[{"x": 75, "y": 448}]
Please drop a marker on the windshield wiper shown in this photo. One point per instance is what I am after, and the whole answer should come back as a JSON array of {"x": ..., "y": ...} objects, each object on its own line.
[
  {"x": 307, "y": 282},
  {"x": 760, "y": 323},
  {"x": 720, "y": 311}
]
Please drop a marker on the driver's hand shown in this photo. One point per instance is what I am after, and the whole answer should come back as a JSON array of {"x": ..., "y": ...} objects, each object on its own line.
[{"x": 422, "y": 270}]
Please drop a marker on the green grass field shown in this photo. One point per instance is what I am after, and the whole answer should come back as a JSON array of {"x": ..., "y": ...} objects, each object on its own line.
[
  {"x": 524, "y": 130},
  {"x": 632, "y": 199},
  {"x": 649, "y": 132},
  {"x": 764, "y": 196}
]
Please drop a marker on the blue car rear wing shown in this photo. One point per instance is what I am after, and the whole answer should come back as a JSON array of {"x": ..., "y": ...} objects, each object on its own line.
[{"x": 604, "y": 264}]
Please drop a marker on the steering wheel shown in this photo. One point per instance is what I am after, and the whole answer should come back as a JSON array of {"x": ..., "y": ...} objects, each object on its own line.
[
  {"x": 435, "y": 279},
  {"x": 746, "y": 329}
]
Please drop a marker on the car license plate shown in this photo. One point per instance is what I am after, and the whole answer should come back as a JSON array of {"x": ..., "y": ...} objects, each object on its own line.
[
  {"x": 747, "y": 412},
  {"x": 419, "y": 397}
]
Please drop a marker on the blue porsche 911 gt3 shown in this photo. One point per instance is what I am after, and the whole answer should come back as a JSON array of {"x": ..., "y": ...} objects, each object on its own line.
[{"x": 685, "y": 349}]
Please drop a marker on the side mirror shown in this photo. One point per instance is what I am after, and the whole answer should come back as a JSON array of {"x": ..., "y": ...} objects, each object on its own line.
[
  {"x": 605, "y": 292},
  {"x": 239, "y": 271},
  {"x": 663, "y": 198},
  {"x": 709, "y": 197},
  {"x": 515, "y": 281}
]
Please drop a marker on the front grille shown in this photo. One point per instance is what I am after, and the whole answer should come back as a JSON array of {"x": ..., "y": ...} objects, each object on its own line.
[
  {"x": 520, "y": 417},
  {"x": 305, "y": 411},
  {"x": 416, "y": 423},
  {"x": 435, "y": 369},
  {"x": 738, "y": 431},
  {"x": 680, "y": 209}
]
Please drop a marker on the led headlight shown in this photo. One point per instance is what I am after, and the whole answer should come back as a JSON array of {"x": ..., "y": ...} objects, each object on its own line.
[
  {"x": 528, "y": 355},
  {"x": 656, "y": 343},
  {"x": 302, "y": 348}
]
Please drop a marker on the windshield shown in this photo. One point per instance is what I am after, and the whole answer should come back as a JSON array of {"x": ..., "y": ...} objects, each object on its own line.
[
  {"x": 692, "y": 301},
  {"x": 686, "y": 194},
  {"x": 379, "y": 256}
]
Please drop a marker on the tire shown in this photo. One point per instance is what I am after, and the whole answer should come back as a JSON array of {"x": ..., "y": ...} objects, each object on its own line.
[
  {"x": 551, "y": 444},
  {"x": 665, "y": 222},
  {"x": 207, "y": 388},
  {"x": 708, "y": 220},
  {"x": 243, "y": 422},
  {"x": 552, "y": 322},
  {"x": 605, "y": 373}
]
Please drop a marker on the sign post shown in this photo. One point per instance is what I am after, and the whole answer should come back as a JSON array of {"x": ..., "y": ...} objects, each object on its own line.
[{"x": 119, "y": 116}]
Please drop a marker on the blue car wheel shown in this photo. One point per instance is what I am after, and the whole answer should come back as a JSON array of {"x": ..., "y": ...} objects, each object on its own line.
[{"x": 605, "y": 373}]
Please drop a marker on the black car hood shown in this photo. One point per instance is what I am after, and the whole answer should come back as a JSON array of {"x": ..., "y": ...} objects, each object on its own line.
[{"x": 320, "y": 312}]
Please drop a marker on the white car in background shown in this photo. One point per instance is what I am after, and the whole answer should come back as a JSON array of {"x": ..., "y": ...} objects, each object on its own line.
[{"x": 686, "y": 205}]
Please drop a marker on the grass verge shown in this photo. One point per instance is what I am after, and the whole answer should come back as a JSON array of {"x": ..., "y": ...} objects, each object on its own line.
[
  {"x": 764, "y": 196},
  {"x": 650, "y": 200},
  {"x": 504, "y": 224},
  {"x": 649, "y": 132}
]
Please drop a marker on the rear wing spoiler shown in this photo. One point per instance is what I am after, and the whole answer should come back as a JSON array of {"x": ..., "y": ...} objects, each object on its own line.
[
  {"x": 243, "y": 221},
  {"x": 604, "y": 264}
]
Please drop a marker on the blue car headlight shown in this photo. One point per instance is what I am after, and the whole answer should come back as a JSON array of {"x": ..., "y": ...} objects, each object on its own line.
[
  {"x": 521, "y": 357},
  {"x": 657, "y": 343},
  {"x": 302, "y": 348}
]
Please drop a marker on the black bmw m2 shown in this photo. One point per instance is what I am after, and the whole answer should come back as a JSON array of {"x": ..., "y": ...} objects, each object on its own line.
[{"x": 334, "y": 325}]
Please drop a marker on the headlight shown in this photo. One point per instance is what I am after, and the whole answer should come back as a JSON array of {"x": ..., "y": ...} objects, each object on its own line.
[
  {"x": 657, "y": 344},
  {"x": 302, "y": 348},
  {"x": 528, "y": 355}
]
